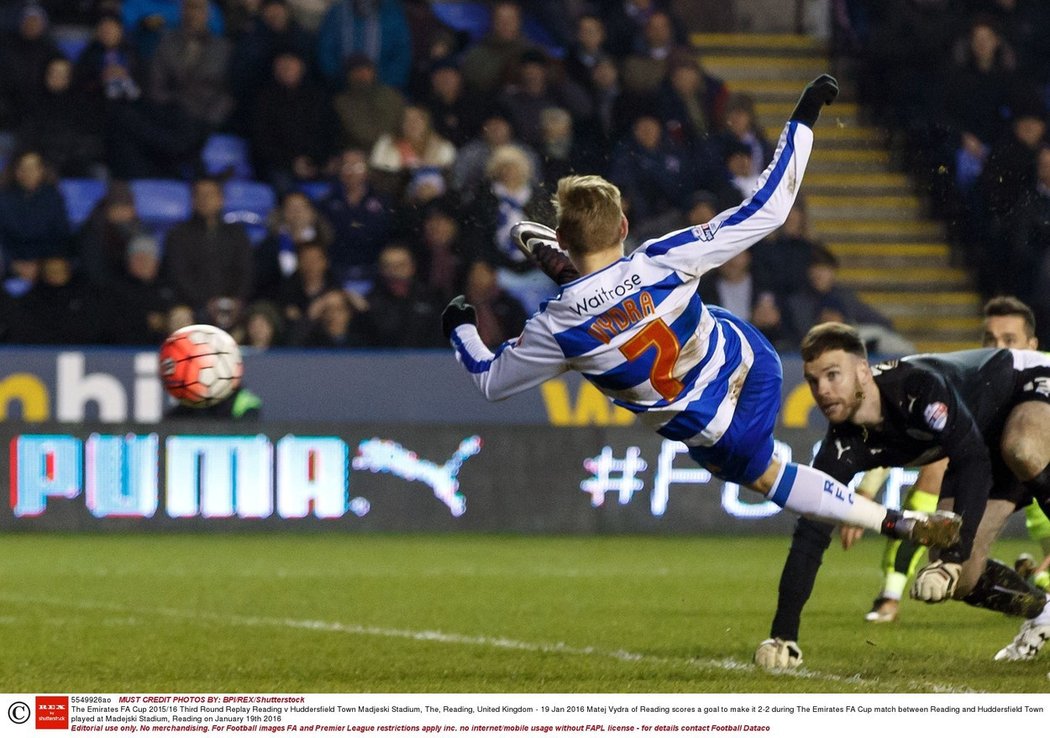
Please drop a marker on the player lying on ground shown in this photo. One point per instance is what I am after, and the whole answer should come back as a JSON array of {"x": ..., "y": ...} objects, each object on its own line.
[
  {"x": 983, "y": 410},
  {"x": 635, "y": 327},
  {"x": 1008, "y": 323}
]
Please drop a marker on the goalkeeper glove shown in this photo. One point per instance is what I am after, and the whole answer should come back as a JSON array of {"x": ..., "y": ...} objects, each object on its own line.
[
  {"x": 818, "y": 93},
  {"x": 936, "y": 581},
  {"x": 458, "y": 312}
]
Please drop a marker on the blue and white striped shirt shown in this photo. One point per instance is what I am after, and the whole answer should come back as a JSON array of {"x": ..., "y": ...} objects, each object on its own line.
[{"x": 637, "y": 328}]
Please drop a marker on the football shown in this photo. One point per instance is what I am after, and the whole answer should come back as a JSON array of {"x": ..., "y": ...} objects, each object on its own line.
[{"x": 200, "y": 365}]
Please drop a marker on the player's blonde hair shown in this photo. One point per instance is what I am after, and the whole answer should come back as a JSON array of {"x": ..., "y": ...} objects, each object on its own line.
[{"x": 589, "y": 212}]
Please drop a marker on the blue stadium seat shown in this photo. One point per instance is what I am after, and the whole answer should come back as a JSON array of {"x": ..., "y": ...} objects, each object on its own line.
[
  {"x": 161, "y": 203},
  {"x": 471, "y": 17},
  {"x": 316, "y": 191},
  {"x": 226, "y": 154},
  {"x": 81, "y": 196},
  {"x": 72, "y": 40},
  {"x": 249, "y": 203}
]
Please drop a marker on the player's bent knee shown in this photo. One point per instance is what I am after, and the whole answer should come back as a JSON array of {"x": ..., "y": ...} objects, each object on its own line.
[{"x": 1025, "y": 447}]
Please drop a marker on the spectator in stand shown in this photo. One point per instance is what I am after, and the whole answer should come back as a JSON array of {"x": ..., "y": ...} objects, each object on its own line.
[
  {"x": 734, "y": 287},
  {"x": 402, "y": 310},
  {"x": 336, "y": 320},
  {"x": 821, "y": 299},
  {"x": 741, "y": 127},
  {"x": 587, "y": 49},
  {"x": 310, "y": 13},
  {"x": 1029, "y": 259},
  {"x": 239, "y": 17},
  {"x": 376, "y": 29},
  {"x": 190, "y": 68},
  {"x": 625, "y": 21},
  {"x": 614, "y": 110},
  {"x": 978, "y": 96},
  {"x": 60, "y": 308},
  {"x": 534, "y": 90},
  {"x": 414, "y": 148},
  {"x": 692, "y": 102},
  {"x": 432, "y": 43},
  {"x": 506, "y": 196},
  {"x": 24, "y": 55},
  {"x": 312, "y": 278},
  {"x": 207, "y": 262},
  {"x": 561, "y": 150},
  {"x": 653, "y": 174},
  {"x": 109, "y": 68},
  {"x": 360, "y": 216},
  {"x": 33, "y": 220},
  {"x": 263, "y": 327},
  {"x": 268, "y": 34},
  {"x": 738, "y": 158},
  {"x": 148, "y": 20},
  {"x": 490, "y": 62},
  {"x": 468, "y": 171},
  {"x": 1009, "y": 175},
  {"x": 141, "y": 138},
  {"x": 292, "y": 125},
  {"x": 294, "y": 222},
  {"x": 57, "y": 124},
  {"x": 500, "y": 317},
  {"x": 137, "y": 301},
  {"x": 367, "y": 108},
  {"x": 645, "y": 68},
  {"x": 441, "y": 249},
  {"x": 455, "y": 115},
  {"x": 782, "y": 259},
  {"x": 104, "y": 239}
]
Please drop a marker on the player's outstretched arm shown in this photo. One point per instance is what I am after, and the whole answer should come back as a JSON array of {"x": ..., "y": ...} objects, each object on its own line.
[{"x": 515, "y": 366}]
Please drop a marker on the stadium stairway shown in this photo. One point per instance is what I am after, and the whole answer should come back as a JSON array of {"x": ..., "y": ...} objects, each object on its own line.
[{"x": 859, "y": 205}]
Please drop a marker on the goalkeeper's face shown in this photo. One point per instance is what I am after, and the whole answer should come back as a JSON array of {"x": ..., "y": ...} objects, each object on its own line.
[{"x": 835, "y": 380}]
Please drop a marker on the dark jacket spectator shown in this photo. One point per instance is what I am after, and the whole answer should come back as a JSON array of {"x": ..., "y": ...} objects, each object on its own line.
[
  {"x": 292, "y": 125},
  {"x": 206, "y": 259},
  {"x": 312, "y": 278},
  {"x": 489, "y": 63},
  {"x": 24, "y": 55},
  {"x": 190, "y": 67},
  {"x": 60, "y": 308},
  {"x": 587, "y": 49},
  {"x": 295, "y": 223},
  {"x": 456, "y": 116},
  {"x": 653, "y": 173},
  {"x": 148, "y": 20},
  {"x": 56, "y": 124},
  {"x": 360, "y": 216},
  {"x": 377, "y": 29},
  {"x": 271, "y": 32},
  {"x": 33, "y": 219},
  {"x": 137, "y": 302},
  {"x": 366, "y": 108},
  {"x": 403, "y": 312},
  {"x": 109, "y": 68},
  {"x": 534, "y": 90},
  {"x": 104, "y": 238},
  {"x": 335, "y": 320}
]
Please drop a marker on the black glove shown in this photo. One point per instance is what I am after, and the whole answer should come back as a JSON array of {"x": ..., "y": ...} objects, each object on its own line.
[
  {"x": 555, "y": 263},
  {"x": 818, "y": 93},
  {"x": 458, "y": 312}
]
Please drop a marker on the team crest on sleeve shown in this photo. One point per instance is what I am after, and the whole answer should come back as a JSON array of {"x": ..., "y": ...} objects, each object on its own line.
[
  {"x": 705, "y": 231},
  {"x": 936, "y": 414}
]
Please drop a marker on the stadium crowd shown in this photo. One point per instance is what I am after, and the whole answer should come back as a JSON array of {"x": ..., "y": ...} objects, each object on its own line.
[{"x": 388, "y": 147}]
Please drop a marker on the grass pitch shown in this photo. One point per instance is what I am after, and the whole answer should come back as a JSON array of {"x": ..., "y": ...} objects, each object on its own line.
[{"x": 450, "y": 613}]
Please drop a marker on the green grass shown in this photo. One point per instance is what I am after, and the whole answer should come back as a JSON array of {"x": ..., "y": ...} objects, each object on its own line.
[{"x": 415, "y": 614}]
